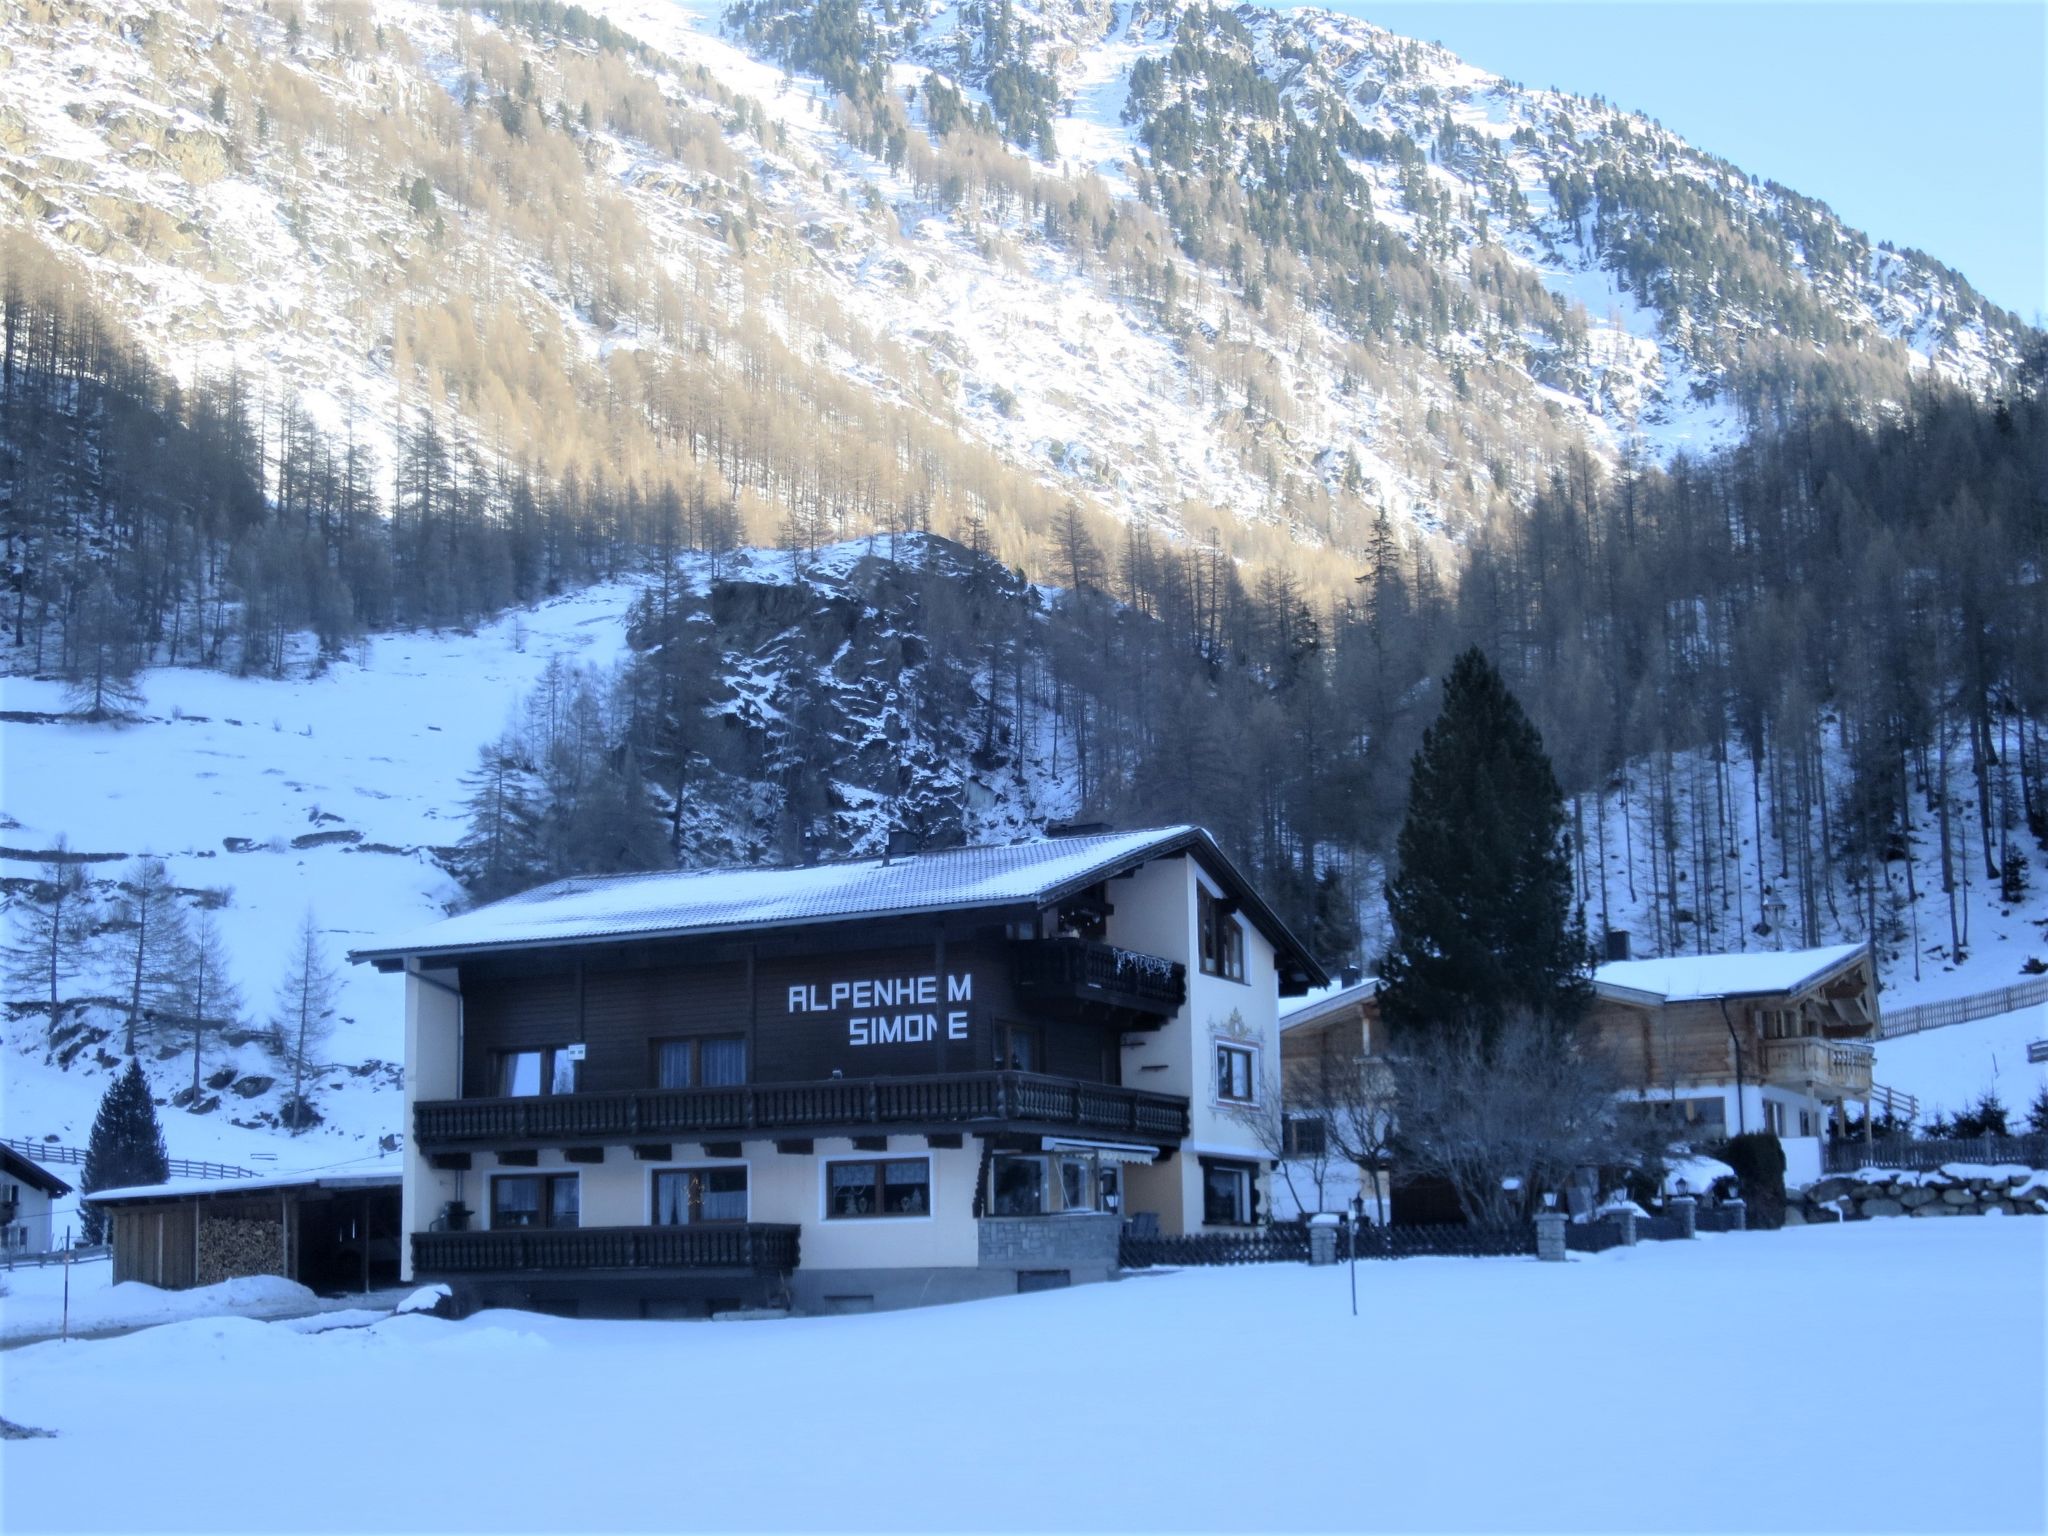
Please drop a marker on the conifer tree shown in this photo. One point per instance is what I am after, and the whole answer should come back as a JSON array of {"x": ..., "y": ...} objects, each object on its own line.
[
  {"x": 1482, "y": 910},
  {"x": 126, "y": 1147}
]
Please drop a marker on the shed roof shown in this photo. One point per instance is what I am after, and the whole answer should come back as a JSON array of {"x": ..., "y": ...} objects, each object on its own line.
[
  {"x": 383, "y": 1174},
  {"x": 680, "y": 903},
  {"x": 1690, "y": 978}
]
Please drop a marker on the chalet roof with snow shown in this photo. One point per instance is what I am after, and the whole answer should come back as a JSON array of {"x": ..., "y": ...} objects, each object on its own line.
[
  {"x": 15, "y": 1166},
  {"x": 1322, "y": 1002},
  {"x": 1694, "y": 978},
  {"x": 692, "y": 903}
]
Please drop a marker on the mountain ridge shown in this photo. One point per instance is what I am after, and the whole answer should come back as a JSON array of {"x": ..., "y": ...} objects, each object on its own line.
[{"x": 719, "y": 221}]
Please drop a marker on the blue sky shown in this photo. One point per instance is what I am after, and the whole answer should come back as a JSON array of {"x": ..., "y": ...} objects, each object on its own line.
[{"x": 1920, "y": 123}]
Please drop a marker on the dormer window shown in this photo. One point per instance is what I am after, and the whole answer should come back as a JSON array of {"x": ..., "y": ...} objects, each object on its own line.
[{"x": 1221, "y": 937}]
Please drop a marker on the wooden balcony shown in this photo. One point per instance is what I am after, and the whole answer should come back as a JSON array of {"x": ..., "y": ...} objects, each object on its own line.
[
  {"x": 751, "y": 1247},
  {"x": 854, "y": 1106},
  {"x": 1835, "y": 1069},
  {"x": 1082, "y": 978}
]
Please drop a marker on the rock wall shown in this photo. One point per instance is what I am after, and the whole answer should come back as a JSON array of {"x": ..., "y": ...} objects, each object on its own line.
[{"x": 1958, "y": 1189}]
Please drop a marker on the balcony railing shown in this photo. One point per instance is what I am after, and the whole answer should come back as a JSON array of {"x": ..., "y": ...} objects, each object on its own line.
[
  {"x": 757, "y": 1247},
  {"x": 843, "y": 1106},
  {"x": 1083, "y": 971},
  {"x": 1842, "y": 1065}
]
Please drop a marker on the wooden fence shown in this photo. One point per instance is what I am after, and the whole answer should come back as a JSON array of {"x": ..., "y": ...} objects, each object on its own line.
[
  {"x": 1925, "y": 1154},
  {"x": 49, "y": 1154},
  {"x": 1961, "y": 1010}
]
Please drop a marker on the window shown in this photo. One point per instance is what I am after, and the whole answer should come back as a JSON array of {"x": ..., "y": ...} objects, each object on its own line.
[
  {"x": 1226, "y": 1194},
  {"x": 1774, "y": 1117},
  {"x": 1078, "y": 1190},
  {"x": 534, "y": 1200},
  {"x": 701, "y": 1061},
  {"x": 878, "y": 1187},
  {"x": 1236, "y": 1074},
  {"x": 543, "y": 1070},
  {"x": 1221, "y": 938},
  {"x": 686, "y": 1196},
  {"x": 1019, "y": 1048},
  {"x": 1806, "y": 1123},
  {"x": 1018, "y": 1186},
  {"x": 1304, "y": 1136}
]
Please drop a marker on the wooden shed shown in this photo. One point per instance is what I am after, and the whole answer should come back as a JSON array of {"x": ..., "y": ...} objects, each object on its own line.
[{"x": 333, "y": 1230}]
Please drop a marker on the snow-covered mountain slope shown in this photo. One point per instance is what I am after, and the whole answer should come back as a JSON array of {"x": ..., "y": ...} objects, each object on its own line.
[
  {"x": 341, "y": 789},
  {"x": 271, "y": 798},
  {"x": 397, "y": 208}
]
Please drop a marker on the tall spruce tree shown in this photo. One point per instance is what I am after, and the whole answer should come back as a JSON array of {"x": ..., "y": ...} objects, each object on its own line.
[
  {"x": 127, "y": 1145},
  {"x": 1482, "y": 910}
]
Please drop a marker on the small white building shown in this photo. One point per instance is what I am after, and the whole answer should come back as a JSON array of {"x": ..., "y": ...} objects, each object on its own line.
[{"x": 28, "y": 1192}]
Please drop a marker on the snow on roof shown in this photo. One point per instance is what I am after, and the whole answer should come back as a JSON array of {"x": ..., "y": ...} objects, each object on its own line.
[
  {"x": 1323, "y": 1001},
  {"x": 386, "y": 1172},
  {"x": 26, "y": 1168},
  {"x": 1686, "y": 978},
  {"x": 723, "y": 900}
]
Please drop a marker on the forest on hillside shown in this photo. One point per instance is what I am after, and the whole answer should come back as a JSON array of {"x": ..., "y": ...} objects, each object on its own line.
[
  {"x": 1788, "y": 663},
  {"x": 1763, "y": 680}
]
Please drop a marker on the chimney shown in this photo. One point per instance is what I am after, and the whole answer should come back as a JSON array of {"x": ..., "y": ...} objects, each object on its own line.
[
  {"x": 1617, "y": 944},
  {"x": 1349, "y": 976}
]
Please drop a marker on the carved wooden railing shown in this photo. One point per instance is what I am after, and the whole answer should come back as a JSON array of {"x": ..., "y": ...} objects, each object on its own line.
[
  {"x": 1091, "y": 971},
  {"x": 935, "y": 1101},
  {"x": 1842, "y": 1064},
  {"x": 757, "y": 1246}
]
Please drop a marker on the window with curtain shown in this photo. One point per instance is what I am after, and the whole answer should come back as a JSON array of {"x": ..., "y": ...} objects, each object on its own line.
[
  {"x": 701, "y": 1061},
  {"x": 878, "y": 1187},
  {"x": 686, "y": 1196},
  {"x": 535, "y": 1200}
]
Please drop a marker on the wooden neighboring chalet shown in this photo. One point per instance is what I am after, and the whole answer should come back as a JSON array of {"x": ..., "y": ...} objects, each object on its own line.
[
  {"x": 845, "y": 1085},
  {"x": 1772, "y": 1040}
]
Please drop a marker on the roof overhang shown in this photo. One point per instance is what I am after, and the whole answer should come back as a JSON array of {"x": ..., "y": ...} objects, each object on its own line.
[{"x": 1299, "y": 970}]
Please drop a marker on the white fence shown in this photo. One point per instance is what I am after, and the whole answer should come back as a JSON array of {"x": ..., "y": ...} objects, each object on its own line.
[{"x": 1960, "y": 1010}]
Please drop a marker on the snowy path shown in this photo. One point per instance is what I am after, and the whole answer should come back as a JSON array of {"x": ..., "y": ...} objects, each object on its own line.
[{"x": 1680, "y": 1386}]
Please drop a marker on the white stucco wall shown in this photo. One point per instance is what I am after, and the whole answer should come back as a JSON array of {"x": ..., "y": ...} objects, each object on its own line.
[
  {"x": 781, "y": 1187},
  {"x": 433, "y": 1070},
  {"x": 1156, "y": 913}
]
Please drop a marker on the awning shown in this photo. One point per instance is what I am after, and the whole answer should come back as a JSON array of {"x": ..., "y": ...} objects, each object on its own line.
[{"x": 1108, "y": 1151}]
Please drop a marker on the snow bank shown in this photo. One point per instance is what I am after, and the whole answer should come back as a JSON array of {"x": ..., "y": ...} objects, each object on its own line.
[
  {"x": 96, "y": 1305},
  {"x": 1261, "y": 1364}
]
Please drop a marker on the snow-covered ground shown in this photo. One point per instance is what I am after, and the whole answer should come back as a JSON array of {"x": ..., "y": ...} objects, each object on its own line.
[
  {"x": 378, "y": 746},
  {"x": 33, "y": 1303},
  {"x": 1951, "y": 1068},
  {"x": 1669, "y": 1386}
]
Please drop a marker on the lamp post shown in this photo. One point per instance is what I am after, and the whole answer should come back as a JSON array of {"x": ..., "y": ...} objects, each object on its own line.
[{"x": 1357, "y": 1215}]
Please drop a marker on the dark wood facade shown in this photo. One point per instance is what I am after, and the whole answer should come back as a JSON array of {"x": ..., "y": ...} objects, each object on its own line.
[{"x": 847, "y": 1028}]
